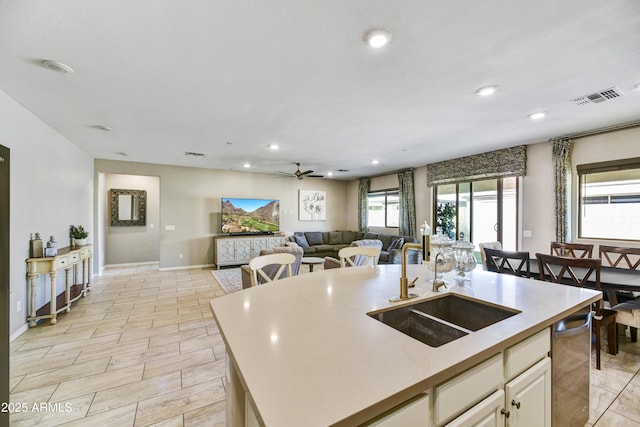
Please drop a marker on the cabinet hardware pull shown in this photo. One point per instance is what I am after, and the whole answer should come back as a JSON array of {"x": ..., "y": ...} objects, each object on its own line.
[
  {"x": 505, "y": 413},
  {"x": 516, "y": 404}
]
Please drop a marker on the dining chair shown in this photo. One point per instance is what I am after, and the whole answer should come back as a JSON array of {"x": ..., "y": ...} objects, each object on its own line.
[
  {"x": 257, "y": 265},
  {"x": 357, "y": 256},
  {"x": 573, "y": 250},
  {"x": 628, "y": 311},
  {"x": 508, "y": 262},
  {"x": 578, "y": 272},
  {"x": 331, "y": 262},
  {"x": 487, "y": 245}
]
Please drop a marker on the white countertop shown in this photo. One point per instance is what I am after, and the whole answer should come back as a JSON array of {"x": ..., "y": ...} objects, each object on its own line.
[{"x": 309, "y": 355}]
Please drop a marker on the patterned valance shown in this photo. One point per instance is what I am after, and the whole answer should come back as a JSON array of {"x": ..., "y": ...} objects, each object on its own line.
[{"x": 494, "y": 164}]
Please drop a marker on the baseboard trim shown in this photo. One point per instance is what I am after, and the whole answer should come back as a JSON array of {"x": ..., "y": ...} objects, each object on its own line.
[
  {"x": 187, "y": 267},
  {"x": 24, "y": 328},
  {"x": 131, "y": 264}
]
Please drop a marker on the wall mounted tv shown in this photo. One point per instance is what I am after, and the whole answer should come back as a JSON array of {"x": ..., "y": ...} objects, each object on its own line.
[{"x": 250, "y": 216}]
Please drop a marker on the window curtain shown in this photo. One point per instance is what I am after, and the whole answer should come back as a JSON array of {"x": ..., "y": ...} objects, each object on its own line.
[
  {"x": 363, "y": 193},
  {"x": 562, "y": 170},
  {"x": 494, "y": 164},
  {"x": 407, "y": 203}
]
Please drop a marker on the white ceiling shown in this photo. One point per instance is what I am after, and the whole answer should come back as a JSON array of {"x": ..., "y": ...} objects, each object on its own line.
[{"x": 227, "y": 78}]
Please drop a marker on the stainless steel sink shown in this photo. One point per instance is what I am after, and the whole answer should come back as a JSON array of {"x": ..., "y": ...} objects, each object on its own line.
[{"x": 441, "y": 320}]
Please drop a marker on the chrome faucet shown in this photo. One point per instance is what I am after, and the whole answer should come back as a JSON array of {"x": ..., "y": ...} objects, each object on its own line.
[
  {"x": 437, "y": 284},
  {"x": 404, "y": 282}
]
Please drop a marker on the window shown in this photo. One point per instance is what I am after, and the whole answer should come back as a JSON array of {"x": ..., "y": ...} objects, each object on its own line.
[
  {"x": 383, "y": 209},
  {"x": 479, "y": 211},
  {"x": 609, "y": 200}
]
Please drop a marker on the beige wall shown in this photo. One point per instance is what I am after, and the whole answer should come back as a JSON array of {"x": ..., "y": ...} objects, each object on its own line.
[
  {"x": 190, "y": 201},
  {"x": 133, "y": 244},
  {"x": 51, "y": 188}
]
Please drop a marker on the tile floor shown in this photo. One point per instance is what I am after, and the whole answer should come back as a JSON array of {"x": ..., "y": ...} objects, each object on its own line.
[{"x": 142, "y": 349}]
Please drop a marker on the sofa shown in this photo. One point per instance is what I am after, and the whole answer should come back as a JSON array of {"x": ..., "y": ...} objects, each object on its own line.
[
  {"x": 327, "y": 244},
  {"x": 270, "y": 270}
]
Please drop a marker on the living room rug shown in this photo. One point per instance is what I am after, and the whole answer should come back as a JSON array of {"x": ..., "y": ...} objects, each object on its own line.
[{"x": 230, "y": 279}]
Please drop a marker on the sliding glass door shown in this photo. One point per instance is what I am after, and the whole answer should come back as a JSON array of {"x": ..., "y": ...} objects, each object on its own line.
[{"x": 479, "y": 211}]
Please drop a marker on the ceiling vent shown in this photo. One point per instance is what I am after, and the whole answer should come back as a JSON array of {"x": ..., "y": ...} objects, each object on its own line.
[
  {"x": 595, "y": 98},
  {"x": 193, "y": 153}
]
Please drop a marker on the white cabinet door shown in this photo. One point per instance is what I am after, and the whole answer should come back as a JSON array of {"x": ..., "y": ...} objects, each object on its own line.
[
  {"x": 276, "y": 241},
  {"x": 528, "y": 397},
  {"x": 485, "y": 414},
  {"x": 243, "y": 251},
  {"x": 259, "y": 243},
  {"x": 414, "y": 413},
  {"x": 226, "y": 251}
]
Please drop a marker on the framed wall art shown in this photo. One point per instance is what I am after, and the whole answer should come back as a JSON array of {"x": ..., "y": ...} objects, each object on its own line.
[{"x": 313, "y": 205}]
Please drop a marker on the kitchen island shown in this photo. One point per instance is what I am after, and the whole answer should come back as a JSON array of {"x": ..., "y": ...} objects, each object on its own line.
[{"x": 303, "y": 351}]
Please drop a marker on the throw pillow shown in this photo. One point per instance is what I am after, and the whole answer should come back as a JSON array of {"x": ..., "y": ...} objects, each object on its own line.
[
  {"x": 314, "y": 238},
  {"x": 301, "y": 240}
]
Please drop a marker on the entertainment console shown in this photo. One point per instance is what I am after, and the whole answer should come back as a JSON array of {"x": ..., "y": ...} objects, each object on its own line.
[{"x": 236, "y": 250}]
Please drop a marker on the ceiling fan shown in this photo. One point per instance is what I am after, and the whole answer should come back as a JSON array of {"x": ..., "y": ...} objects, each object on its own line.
[{"x": 300, "y": 175}]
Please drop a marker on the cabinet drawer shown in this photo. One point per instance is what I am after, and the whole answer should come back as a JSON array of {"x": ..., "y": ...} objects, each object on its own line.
[
  {"x": 526, "y": 353},
  {"x": 460, "y": 393},
  {"x": 61, "y": 262},
  {"x": 74, "y": 257}
]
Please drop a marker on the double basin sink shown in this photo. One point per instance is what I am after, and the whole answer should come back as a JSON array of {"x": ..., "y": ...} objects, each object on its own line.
[{"x": 441, "y": 320}]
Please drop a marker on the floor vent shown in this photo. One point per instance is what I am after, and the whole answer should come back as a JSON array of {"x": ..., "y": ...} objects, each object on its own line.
[{"x": 596, "y": 98}]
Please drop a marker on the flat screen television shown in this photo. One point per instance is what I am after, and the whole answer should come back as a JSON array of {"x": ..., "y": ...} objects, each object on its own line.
[{"x": 250, "y": 216}]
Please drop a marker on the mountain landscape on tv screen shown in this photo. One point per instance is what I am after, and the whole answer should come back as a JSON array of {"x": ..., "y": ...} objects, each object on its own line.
[{"x": 265, "y": 219}]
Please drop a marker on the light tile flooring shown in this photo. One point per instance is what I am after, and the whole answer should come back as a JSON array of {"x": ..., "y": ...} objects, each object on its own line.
[{"x": 142, "y": 349}]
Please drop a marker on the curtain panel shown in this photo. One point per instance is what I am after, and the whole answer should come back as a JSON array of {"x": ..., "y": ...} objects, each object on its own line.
[
  {"x": 407, "y": 203},
  {"x": 562, "y": 171},
  {"x": 363, "y": 193},
  {"x": 494, "y": 164}
]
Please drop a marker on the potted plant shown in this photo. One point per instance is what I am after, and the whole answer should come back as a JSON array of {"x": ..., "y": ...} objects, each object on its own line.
[{"x": 79, "y": 235}]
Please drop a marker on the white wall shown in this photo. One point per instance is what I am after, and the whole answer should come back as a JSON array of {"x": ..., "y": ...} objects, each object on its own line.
[
  {"x": 51, "y": 188},
  {"x": 538, "y": 213}
]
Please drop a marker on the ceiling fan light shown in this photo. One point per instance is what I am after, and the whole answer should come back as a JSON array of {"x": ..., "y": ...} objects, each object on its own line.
[{"x": 378, "y": 38}]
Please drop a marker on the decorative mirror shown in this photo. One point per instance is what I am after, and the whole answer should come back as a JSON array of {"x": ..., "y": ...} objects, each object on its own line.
[{"x": 128, "y": 207}]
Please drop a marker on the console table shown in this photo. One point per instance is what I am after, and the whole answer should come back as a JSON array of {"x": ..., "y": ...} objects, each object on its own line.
[
  {"x": 234, "y": 250},
  {"x": 69, "y": 259}
]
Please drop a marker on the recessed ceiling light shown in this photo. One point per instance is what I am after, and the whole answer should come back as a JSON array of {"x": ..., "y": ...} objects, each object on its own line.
[
  {"x": 56, "y": 66},
  {"x": 273, "y": 146},
  {"x": 246, "y": 165},
  {"x": 486, "y": 90},
  {"x": 537, "y": 115},
  {"x": 375, "y": 161},
  {"x": 378, "y": 37},
  {"x": 329, "y": 173},
  {"x": 122, "y": 153},
  {"x": 637, "y": 86}
]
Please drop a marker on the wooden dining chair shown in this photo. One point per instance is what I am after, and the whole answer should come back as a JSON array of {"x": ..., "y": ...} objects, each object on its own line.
[
  {"x": 628, "y": 311},
  {"x": 580, "y": 272},
  {"x": 573, "y": 250},
  {"x": 357, "y": 256},
  {"x": 257, "y": 265},
  {"x": 508, "y": 262}
]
